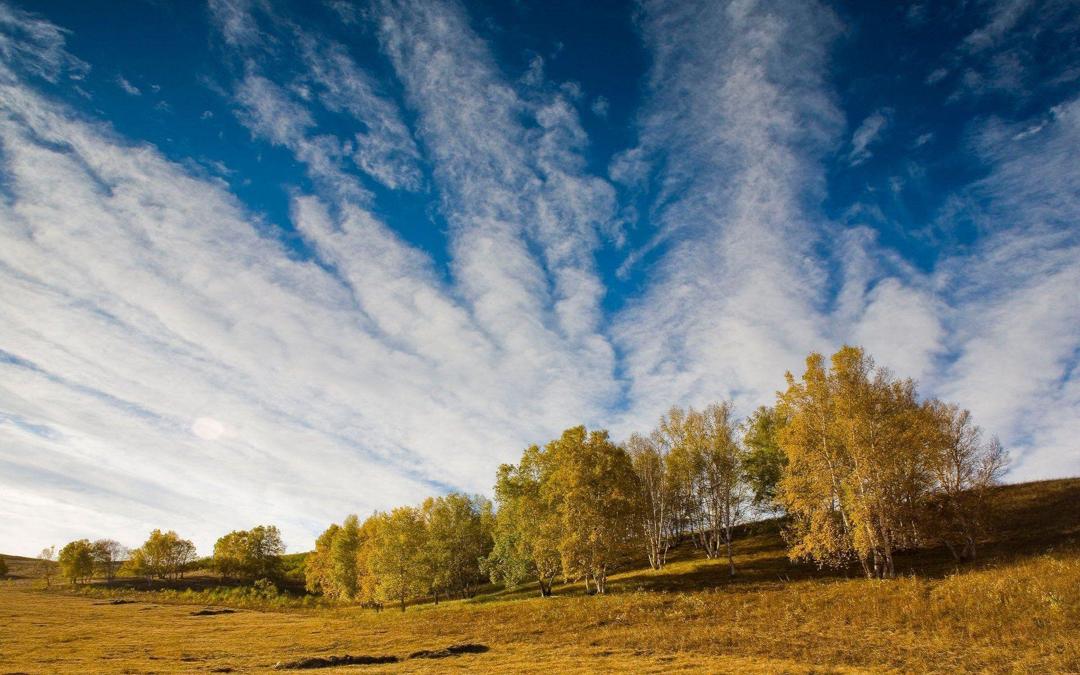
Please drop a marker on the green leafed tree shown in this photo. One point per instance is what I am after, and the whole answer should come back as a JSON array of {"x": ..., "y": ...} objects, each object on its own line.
[
  {"x": 527, "y": 527},
  {"x": 765, "y": 460}
]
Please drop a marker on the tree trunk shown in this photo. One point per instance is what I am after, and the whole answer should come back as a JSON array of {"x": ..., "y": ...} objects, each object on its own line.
[{"x": 730, "y": 556}]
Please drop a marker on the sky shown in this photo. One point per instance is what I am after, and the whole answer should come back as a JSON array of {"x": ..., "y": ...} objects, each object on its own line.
[{"x": 278, "y": 262}]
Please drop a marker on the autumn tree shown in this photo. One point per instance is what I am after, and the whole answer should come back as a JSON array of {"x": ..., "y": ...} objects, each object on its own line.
[
  {"x": 677, "y": 434},
  {"x": 77, "y": 561},
  {"x": 962, "y": 467},
  {"x": 250, "y": 554},
  {"x": 335, "y": 568},
  {"x": 108, "y": 556},
  {"x": 656, "y": 494},
  {"x": 706, "y": 470},
  {"x": 724, "y": 490},
  {"x": 866, "y": 460},
  {"x": 164, "y": 555},
  {"x": 527, "y": 527},
  {"x": 397, "y": 558},
  {"x": 589, "y": 482},
  {"x": 459, "y": 536}
]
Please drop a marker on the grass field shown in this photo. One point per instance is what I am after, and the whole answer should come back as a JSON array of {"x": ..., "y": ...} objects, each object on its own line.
[{"x": 1016, "y": 610}]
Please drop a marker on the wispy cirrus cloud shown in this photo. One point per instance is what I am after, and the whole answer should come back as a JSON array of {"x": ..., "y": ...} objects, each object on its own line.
[
  {"x": 168, "y": 361},
  {"x": 738, "y": 117}
]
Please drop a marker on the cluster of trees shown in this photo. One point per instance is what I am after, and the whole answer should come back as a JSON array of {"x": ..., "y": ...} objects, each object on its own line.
[
  {"x": 691, "y": 473},
  {"x": 857, "y": 463},
  {"x": 870, "y": 469},
  {"x": 246, "y": 555},
  {"x": 570, "y": 507},
  {"x": 82, "y": 559},
  {"x": 249, "y": 554},
  {"x": 435, "y": 549},
  {"x": 164, "y": 555}
]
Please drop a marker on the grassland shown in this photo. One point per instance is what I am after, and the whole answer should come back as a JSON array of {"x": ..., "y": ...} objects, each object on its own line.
[{"x": 1017, "y": 609}]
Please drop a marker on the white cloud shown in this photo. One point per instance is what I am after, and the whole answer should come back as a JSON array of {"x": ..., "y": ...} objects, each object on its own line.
[
  {"x": 738, "y": 114},
  {"x": 868, "y": 133},
  {"x": 1003, "y": 16},
  {"x": 128, "y": 87}
]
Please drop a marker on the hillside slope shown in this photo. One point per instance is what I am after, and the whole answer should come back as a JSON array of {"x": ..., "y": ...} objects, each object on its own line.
[{"x": 1016, "y": 608}]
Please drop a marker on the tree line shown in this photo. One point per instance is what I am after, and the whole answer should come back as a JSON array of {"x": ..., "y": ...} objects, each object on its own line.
[{"x": 858, "y": 465}]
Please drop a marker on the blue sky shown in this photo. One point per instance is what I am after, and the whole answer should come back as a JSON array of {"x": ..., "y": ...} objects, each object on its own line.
[{"x": 277, "y": 262}]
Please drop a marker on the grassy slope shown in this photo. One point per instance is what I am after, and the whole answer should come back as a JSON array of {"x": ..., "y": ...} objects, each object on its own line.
[{"x": 1018, "y": 608}]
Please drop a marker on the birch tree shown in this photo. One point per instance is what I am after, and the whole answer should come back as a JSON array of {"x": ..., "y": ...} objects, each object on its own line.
[
  {"x": 108, "y": 555},
  {"x": 649, "y": 457},
  {"x": 963, "y": 467},
  {"x": 723, "y": 487},
  {"x": 591, "y": 484}
]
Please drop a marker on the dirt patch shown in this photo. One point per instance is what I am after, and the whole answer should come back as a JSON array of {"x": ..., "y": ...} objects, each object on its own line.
[
  {"x": 117, "y": 601},
  {"x": 333, "y": 661},
  {"x": 212, "y": 611},
  {"x": 452, "y": 650}
]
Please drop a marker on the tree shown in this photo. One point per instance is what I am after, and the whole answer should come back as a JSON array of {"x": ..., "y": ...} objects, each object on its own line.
[
  {"x": 108, "y": 556},
  {"x": 962, "y": 467},
  {"x": 332, "y": 569},
  {"x": 590, "y": 483},
  {"x": 676, "y": 433},
  {"x": 317, "y": 569},
  {"x": 765, "y": 461},
  {"x": 527, "y": 528},
  {"x": 163, "y": 555},
  {"x": 649, "y": 457},
  {"x": 397, "y": 557},
  {"x": 706, "y": 472},
  {"x": 343, "y": 558},
  {"x": 45, "y": 567},
  {"x": 250, "y": 554},
  {"x": 458, "y": 538},
  {"x": 721, "y": 463},
  {"x": 339, "y": 567},
  {"x": 77, "y": 561},
  {"x": 3, "y": 568}
]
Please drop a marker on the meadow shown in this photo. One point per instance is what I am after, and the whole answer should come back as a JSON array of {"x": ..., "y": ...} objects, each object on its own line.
[{"x": 1015, "y": 609}]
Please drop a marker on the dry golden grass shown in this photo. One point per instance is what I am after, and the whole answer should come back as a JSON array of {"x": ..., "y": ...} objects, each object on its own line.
[{"x": 1018, "y": 610}]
